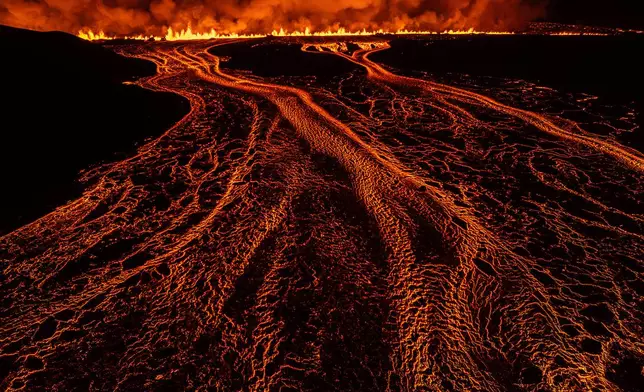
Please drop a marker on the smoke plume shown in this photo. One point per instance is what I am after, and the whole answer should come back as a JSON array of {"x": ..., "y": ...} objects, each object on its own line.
[{"x": 263, "y": 16}]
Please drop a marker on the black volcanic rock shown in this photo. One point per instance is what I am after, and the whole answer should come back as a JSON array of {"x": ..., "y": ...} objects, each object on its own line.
[
  {"x": 608, "y": 67},
  {"x": 64, "y": 109},
  {"x": 46, "y": 329},
  {"x": 34, "y": 363},
  {"x": 566, "y": 63},
  {"x": 63, "y": 56},
  {"x": 281, "y": 59}
]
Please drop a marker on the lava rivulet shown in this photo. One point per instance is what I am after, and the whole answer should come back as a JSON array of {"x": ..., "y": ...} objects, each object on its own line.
[
  {"x": 630, "y": 157},
  {"x": 374, "y": 232}
]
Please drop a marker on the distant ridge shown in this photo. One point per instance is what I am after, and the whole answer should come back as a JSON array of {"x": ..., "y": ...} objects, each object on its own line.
[{"x": 65, "y": 108}]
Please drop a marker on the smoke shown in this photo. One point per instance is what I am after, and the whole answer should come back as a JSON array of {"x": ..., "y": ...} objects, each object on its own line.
[{"x": 263, "y": 16}]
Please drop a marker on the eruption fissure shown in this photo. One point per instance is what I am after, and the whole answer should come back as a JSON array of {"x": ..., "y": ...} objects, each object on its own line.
[{"x": 234, "y": 17}]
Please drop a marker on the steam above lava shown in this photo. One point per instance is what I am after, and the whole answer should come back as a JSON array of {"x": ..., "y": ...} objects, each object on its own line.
[{"x": 154, "y": 17}]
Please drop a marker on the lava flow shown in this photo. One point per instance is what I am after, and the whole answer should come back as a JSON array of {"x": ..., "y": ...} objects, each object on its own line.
[{"x": 374, "y": 231}]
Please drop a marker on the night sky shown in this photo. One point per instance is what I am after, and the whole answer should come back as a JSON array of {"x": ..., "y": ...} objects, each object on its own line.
[{"x": 617, "y": 13}]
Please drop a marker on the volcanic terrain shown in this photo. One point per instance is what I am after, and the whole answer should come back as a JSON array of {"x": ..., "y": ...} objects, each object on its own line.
[{"x": 361, "y": 213}]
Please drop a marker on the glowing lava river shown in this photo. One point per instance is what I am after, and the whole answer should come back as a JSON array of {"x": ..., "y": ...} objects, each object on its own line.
[{"x": 378, "y": 231}]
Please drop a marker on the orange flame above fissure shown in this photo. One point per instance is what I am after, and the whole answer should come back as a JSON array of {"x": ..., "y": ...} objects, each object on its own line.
[
  {"x": 189, "y": 34},
  {"x": 251, "y": 17}
]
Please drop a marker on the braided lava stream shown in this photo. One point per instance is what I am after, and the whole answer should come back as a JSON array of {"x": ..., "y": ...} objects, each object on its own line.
[{"x": 379, "y": 232}]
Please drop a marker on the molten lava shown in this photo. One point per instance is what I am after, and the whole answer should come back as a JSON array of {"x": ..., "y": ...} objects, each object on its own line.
[{"x": 377, "y": 231}]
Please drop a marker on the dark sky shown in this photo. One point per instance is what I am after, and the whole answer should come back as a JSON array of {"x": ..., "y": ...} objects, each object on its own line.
[{"x": 613, "y": 13}]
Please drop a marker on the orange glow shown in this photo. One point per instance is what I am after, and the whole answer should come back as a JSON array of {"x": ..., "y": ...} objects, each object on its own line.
[{"x": 227, "y": 17}]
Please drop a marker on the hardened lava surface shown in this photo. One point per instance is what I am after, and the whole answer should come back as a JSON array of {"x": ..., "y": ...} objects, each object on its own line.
[{"x": 374, "y": 230}]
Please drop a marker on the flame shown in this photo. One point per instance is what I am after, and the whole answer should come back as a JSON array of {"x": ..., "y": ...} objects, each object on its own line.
[
  {"x": 188, "y": 34},
  {"x": 578, "y": 33},
  {"x": 90, "y": 35}
]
